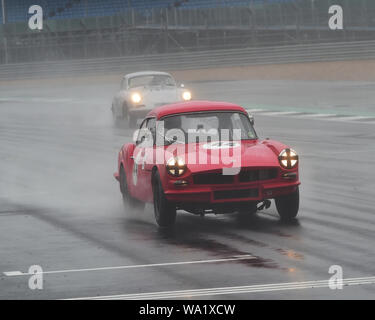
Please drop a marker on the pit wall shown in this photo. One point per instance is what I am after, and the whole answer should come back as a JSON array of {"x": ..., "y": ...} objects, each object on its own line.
[{"x": 361, "y": 70}]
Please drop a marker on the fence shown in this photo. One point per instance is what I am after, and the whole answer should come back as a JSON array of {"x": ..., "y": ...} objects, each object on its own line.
[
  {"x": 166, "y": 30},
  {"x": 193, "y": 60}
]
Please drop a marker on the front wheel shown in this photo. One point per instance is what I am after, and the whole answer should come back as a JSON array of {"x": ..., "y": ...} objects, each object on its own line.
[
  {"x": 131, "y": 204},
  {"x": 288, "y": 206},
  {"x": 130, "y": 120},
  {"x": 116, "y": 119},
  {"x": 165, "y": 212}
]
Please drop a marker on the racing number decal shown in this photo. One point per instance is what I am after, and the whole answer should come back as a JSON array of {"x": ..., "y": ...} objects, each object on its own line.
[
  {"x": 221, "y": 145},
  {"x": 135, "y": 173},
  {"x": 139, "y": 159}
]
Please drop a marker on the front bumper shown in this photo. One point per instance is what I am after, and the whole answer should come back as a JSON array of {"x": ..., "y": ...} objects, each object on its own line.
[
  {"x": 251, "y": 184},
  {"x": 139, "y": 111},
  {"x": 229, "y": 194}
]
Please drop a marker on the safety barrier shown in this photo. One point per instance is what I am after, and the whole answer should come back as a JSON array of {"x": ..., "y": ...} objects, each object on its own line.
[{"x": 194, "y": 60}]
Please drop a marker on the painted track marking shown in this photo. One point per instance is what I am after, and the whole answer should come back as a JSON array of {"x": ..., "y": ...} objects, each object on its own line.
[
  {"x": 166, "y": 264},
  {"x": 320, "y": 116},
  {"x": 231, "y": 290}
]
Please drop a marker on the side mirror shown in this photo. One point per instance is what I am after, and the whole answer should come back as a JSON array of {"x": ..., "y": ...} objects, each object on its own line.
[
  {"x": 170, "y": 140},
  {"x": 251, "y": 117},
  {"x": 252, "y": 120},
  {"x": 141, "y": 140}
]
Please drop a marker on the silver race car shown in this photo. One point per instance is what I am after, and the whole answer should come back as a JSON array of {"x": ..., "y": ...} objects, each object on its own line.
[{"x": 141, "y": 92}]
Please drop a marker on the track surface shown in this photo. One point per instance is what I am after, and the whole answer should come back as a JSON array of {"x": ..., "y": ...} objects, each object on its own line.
[{"x": 60, "y": 207}]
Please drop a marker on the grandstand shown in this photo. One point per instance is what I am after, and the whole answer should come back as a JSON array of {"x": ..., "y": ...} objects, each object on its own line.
[{"x": 100, "y": 28}]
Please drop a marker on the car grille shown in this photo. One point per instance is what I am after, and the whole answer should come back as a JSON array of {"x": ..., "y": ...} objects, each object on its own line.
[
  {"x": 212, "y": 178},
  {"x": 257, "y": 175},
  {"x": 246, "y": 175},
  {"x": 236, "y": 194}
]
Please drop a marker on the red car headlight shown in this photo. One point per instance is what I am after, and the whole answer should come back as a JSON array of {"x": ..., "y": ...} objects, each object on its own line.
[
  {"x": 176, "y": 166},
  {"x": 288, "y": 158}
]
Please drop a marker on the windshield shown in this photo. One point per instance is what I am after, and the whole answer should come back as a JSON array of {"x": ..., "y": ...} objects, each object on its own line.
[
  {"x": 206, "y": 127},
  {"x": 151, "y": 80}
]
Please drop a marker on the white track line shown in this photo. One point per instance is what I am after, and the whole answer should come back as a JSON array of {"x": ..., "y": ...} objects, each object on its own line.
[
  {"x": 316, "y": 115},
  {"x": 230, "y": 259},
  {"x": 354, "y": 118},
  {"x": 302, "y": 114},
  {"x": 231, "y": 290},
  {"x": 320, "y": 116},
  {"x": 13, "y": 273},
  {"x": 280, "y": 113},
  {"x": 35, "y": 99},
  {"x": 255, "y": 110},
  {"x": 337, "y": 152},
  {"x": 23, "y": 195}
]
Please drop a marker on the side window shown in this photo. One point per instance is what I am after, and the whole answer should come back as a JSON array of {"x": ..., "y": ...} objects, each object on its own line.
[
  {"x": 236, "y": 126},
  {"x": 146, "y": 133},
  {"x": 151, "y": 126},
  {"x": 141, "y": 132},
  {"x": 169, "y": 81},
  {"x": 236, "y": 121}
]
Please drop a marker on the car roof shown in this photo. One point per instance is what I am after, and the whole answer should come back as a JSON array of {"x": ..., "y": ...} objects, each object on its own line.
[
  {"x": 146, "y": 73},
  {"x": 193, "y": 106}
]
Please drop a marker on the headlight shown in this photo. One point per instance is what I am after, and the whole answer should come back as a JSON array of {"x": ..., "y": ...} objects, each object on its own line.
[
  {"x": 176, "y": 167},
  {"x": 288, "y": 158},
  {"x": 136, "y": 97},
  {"x": 186, "y": 95}
]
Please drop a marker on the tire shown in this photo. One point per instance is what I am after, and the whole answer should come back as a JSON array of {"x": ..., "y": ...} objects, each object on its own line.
[
  {"x": 131, "y": 204},
  {"x": 132, "y": 122},
  {"x": 288, "y": 206},
  {"x": 165, "y": 212},
  {"x": 116, "y": 120}
]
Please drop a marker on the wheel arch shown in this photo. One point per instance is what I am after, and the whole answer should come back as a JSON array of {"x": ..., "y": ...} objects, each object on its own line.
[
  {"x": 124, "y": 156},
  {"x": 153, "y": 174},
  {"x": 162, "y": 174},
  {"x": 124, "y": 106}
]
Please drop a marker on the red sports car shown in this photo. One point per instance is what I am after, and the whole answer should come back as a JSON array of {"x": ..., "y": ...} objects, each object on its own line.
[{"x": 205, "y": 157}]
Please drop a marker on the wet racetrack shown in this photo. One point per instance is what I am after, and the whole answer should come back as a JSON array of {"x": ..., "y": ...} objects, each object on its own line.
[{"x": 61, "y": 208}]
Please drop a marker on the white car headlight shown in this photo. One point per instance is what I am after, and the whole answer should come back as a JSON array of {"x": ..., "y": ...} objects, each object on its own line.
[
  {"x": 186, "y": 95},
  {"x": 136, "y": 97},
  {"x": 288, "y": 158},
  {"x": 176, "y": 166}
]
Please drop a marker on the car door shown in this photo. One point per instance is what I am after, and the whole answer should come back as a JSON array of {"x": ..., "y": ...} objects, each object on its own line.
[
  {"x": 137, "y": 185},
  {"x": 147, "y": 160}
]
